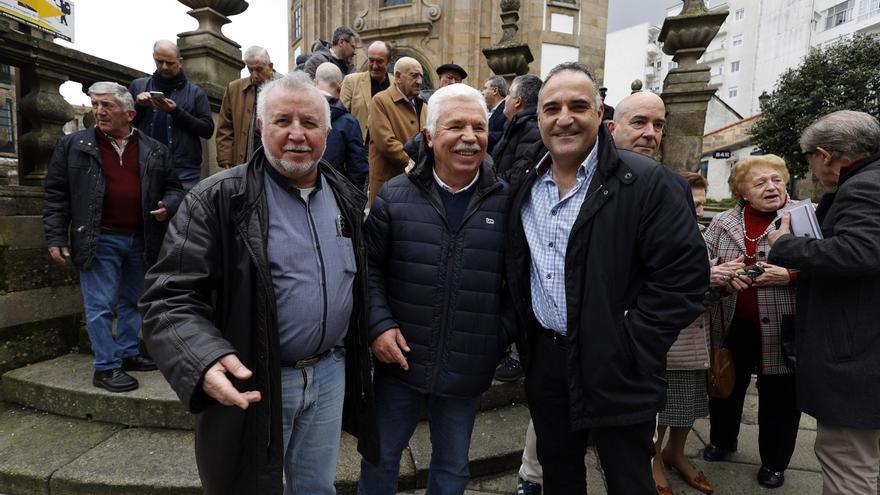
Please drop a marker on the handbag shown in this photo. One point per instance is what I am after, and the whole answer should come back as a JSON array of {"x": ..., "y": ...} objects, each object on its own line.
[{"x": 722, "y": 373}]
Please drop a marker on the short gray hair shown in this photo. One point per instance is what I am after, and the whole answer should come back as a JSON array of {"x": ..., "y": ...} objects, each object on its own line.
[
  {"x": 120, "y": 93},
  {"x": 498, "y": 83},
  {"x": 845, "y": 134},
  {"x": 447, "y": 93},
  {"x": 294, "y": 82},
  {"x": 257, "y": 52},
  {"x": 527, "y": 87},
  {"x": 574, "y": 67}
]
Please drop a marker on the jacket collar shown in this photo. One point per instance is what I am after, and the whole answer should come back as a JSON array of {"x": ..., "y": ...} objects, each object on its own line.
[
  {"x": 251, "y": 191},
  {"x": 858, "y": 167}
]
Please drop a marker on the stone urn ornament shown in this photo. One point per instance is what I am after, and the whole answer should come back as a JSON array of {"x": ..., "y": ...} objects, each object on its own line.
[{"x": 687, "y": 35}]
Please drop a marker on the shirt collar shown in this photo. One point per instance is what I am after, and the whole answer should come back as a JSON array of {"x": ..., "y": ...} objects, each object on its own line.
[
  {"x": 448, "y": 189},
  {"x": 111, "y": 138},
  {"x": 408, "y": 100},
  {"x": 590, "y": 162}
]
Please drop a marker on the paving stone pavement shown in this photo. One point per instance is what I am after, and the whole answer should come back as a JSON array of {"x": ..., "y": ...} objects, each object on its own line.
[{"x": 734, "y": 477}]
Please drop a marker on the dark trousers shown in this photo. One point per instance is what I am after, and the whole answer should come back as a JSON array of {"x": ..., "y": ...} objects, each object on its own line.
[
  {"x": 625, "y": 452},
  {"x": 778, "y": 416}
]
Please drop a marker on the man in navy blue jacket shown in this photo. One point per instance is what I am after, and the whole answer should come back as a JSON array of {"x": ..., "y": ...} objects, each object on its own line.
[
  {"x": 345, "y": 143},
  {"x": 435, "y": 242},
  {"x": 173, "y": 111}
]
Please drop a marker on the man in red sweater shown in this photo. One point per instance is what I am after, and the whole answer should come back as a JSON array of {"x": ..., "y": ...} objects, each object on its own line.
[{"x": 113, "y": 189}]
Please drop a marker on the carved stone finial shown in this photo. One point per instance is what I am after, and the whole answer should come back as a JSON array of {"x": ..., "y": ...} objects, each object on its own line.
[
  {"x": 636, "y": 86},
  {"x": 693, "y": 7}
]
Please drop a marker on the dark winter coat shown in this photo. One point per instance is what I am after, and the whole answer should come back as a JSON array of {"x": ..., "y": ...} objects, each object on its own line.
[
  {"x": 345, "y": 145},
  {"x": 636, "y": 272},
  {"x": 321, "y": 53},
  {"x": 185, "y": 125},
  {"x": 519, "y": 137},
  {"x": 496, "y": 126},
  {"x": 75, "y": 185},
  {"x": 442, "y": 289},
  {"x": 838, "y": 303},
  {"x": 211, "y": 294}
]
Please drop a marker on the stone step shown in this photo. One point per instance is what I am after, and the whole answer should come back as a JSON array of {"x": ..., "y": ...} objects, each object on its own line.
[
  {"x": 55, "y": 455},
  {"x": 64, "y": 386}
]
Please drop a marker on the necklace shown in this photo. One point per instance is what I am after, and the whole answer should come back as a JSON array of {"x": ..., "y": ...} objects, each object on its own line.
[{"x": 742, "y": 215}]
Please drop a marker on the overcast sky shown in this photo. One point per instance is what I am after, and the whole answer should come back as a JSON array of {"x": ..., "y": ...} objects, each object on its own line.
[
  {"x": 124, "y": 30},
  {"x": 625, "y": 13}
]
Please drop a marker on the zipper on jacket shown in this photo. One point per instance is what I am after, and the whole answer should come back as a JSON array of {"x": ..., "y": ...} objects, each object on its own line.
[
  {"x": 314, "y": 231},
  {"x": 445, "y": 317}
]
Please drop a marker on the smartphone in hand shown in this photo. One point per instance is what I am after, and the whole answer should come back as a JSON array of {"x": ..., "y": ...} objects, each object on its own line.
[{"x": 157, "y": 95}]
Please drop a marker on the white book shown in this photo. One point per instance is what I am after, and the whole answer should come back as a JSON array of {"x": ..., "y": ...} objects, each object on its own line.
[{"x": 803, "y": 219}]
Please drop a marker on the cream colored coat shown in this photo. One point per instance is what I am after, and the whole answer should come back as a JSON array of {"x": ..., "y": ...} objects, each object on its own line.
[
  {"x": 392, "y": 122},
  {"x": 356, "y": 95}
]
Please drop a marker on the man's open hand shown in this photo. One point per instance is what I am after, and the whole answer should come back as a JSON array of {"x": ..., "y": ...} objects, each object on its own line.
[{"x": 218, "y": 386}]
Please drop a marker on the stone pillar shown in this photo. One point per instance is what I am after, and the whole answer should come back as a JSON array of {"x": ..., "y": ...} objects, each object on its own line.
[
  {"x": 509, "y": 58},
  {"x": 44, "y": 112},
  {"x": 686, "y": 90},
  {"x": 210, "y": 59}
]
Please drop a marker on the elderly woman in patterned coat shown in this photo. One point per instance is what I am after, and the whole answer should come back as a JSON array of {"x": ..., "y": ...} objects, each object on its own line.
[{"x": 749, "y": 320}]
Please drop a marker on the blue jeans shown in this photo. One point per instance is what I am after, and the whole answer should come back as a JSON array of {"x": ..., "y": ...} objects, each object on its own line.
[
  {"x": 114, "y": 281},
  {"x": 311, "y": 419},
  {"x": 451, "y": 422}
]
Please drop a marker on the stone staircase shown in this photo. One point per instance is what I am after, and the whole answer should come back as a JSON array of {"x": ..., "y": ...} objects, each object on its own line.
[{"x": 59, "y": 435}]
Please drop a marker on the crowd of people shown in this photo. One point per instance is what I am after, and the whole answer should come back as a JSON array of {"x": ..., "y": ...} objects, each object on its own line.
[{"x": 522, "y": 229}]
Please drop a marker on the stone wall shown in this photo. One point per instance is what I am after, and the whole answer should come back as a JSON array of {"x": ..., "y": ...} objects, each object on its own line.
[
  {"x": 441, "y": 31},
  {"x": 40, "y": 304}
]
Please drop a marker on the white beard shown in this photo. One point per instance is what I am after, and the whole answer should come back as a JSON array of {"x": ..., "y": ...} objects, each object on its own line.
[{"x": 291, "y": 170}]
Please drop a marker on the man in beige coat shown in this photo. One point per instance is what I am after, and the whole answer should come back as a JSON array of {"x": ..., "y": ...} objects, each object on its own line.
[
  {"x": 396, "y": 114},
  {"x": 237, "y": 137},
  {"x": 358, "y": 89}
]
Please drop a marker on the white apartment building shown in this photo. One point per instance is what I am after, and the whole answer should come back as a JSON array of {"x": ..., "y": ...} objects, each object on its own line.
[{"x": 759, "y": 40}]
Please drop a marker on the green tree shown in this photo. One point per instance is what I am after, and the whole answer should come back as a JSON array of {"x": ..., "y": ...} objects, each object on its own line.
[{"x": 845, "y": 76}]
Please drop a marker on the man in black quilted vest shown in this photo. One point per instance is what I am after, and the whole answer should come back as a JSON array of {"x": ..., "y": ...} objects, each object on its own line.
[{"x": 435, "y": 241}]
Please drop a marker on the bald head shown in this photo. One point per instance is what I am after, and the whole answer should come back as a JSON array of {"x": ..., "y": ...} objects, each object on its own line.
[
  {"x": 167, "y": 58},
  {"x": 638, "y": 123},
  {"x": 408, "y": 76},
  {"x": 166, "y": 45}
]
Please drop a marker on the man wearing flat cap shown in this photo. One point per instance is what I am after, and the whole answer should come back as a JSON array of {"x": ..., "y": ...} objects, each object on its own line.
[{"x": 446, "y": 74}]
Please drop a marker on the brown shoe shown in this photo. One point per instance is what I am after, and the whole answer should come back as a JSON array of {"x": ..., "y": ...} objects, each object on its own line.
[
  {"x": 700, "y": 483},
  {"x": 664, "y": 490}
]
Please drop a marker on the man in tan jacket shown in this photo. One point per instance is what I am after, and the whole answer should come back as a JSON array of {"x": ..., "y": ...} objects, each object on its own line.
[
  {"x": 237, "y": 137},
  {"x": 358, "y": 89},
  {"x": 396, "y": 114}
]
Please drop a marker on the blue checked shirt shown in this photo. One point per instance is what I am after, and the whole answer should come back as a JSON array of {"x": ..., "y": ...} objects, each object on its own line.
[{"x": 547, "y": 221}]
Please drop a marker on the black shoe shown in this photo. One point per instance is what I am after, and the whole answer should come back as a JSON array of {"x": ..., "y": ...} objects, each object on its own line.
[
  {"x": 509, "y": 370},
  {"x": 524, "y": 487},
  {"x": 114, "y": 380},
  {"x": 770, "y": 479},
  {"x": 714, "y": 454},
  {"x": 138, "y": 363}
]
